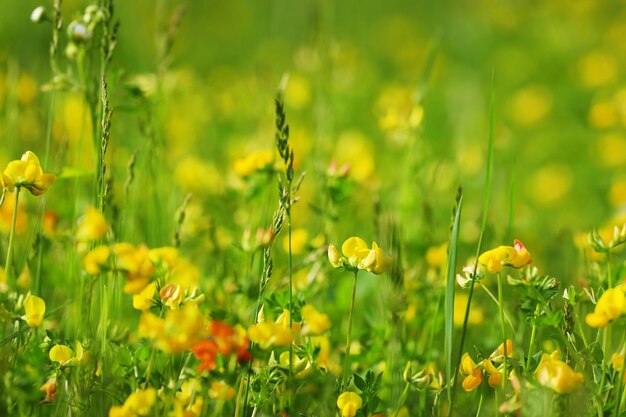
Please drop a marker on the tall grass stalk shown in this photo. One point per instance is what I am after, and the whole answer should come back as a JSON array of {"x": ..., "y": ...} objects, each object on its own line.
[
  {"x": 450, "y": 290},
  {"x": 488, "y": 179}
]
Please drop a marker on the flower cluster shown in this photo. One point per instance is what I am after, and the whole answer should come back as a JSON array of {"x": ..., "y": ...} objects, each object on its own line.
[
  {"x": 357, "y": 255},
  {"x": 224, "y": 340},
  {"x": 277, "y": 333},
  {"x": 516, "y": 256},
  {"x": 473, "y": 372},
  {"x": 610, "y": 306},
  {"x": 179, "y": 331}
]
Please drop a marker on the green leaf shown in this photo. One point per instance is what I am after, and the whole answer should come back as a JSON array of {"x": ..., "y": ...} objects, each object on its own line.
[{"x": 450, "y": 289}]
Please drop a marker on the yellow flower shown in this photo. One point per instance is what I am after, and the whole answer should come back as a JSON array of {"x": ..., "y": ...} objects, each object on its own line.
[
  {"x": 516, "y": 256},
  {"x": 35, "y": 309},
  {"x": 136, "y": 264},
  {"x": 91, "y": 226},
  {"x": 27, "y": 173},
  {"x": 472, "y": 372},
  {"x": 610, "y": 306},
  {"x": 436, "y": 256},
  {"x": 138, "y": 403},
  {"x": 96, "y": 259},
  {"x": 357, "y": 255},
  {"x": 316, "y": 323},
  {"x": 220, "y": 390},
  {"x": 349, "y": 403},
  {"x": 65, "y": 356},
  {"x": 255, "y": 161},
  {"x": 617, "y": 362},
  {"x": 143, "y": 300},
  {"x": 557, "y": 375},
  {"x": 60, "y": 354},
  {"x": 299, "y": 239},
  {"x": 268, "y": 334},
  {"x": 180, "y": 330}
]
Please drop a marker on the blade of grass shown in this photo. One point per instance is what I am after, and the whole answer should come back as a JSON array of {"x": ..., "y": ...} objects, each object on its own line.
[
  {"x": 450, "y": 289},
  {"x": 483, "y": 226}
]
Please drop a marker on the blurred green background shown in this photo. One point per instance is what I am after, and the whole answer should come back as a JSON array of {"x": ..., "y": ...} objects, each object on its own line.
[{"x": 356, "y": 94}]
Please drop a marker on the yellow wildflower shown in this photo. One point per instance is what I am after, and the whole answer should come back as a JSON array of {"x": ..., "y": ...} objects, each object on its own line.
[
  {"x": 143, "y": 300},
  {"x": 299, "y": 238},
  {"x": 610, "y": 306},
  {"x": 316, "y": 323},
  {"x": 91, "y": 226},
  {"x": 349, "y": 403},
  {"x": 436, "y": 256},
  {"x": 220, "y": 390},
  {"x": 255, "y": 161},
  {"x": 617, "y": 362},
  {"x": 139, "y": 403},
  {"x": 267, "y": 333},
  {"x": 516, "y": 256},
  {"x": 357, "y": 255},
  {"x": 557, "y": 375},
  {"x": 27, "y": 173},
  {"x": 472, "y": 372},
  {"x": 94, "y": 261},
  {"x": 65, "y": 356},
  {"x": 180, "y": 330},
  {"x": 35, "y": 309},
  {"x": 136, "y": 264}
]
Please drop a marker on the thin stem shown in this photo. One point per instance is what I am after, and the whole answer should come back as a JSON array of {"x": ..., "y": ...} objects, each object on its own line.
[
  {"x": 402, "y": 399},
  {"x": 533, "y": 333},
  {"x": 346, "y": 364},
  {"x": 290, "y": 266},
  {"x": 480, "y": 401},
  {"x": 7, "y": 266},
  {"x": 503, "y": 327}
]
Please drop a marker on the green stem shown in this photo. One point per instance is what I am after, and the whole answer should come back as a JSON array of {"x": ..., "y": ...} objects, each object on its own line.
[
  {"x": 7, "y": 266},
  {"x": 346, "y": 363},
  {"x": 290, "y": 266},
  {"x": 503, "y": 327},
  {"x": 480, "y": 401},
  {"x": 402, "y": 398},
  {"x": 620, "y": 384},
  {"x": 533, "y": 332}
]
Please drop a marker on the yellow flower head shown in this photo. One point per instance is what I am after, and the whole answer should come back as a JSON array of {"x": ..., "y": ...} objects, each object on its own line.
[
  {"x": 516, "y": 256},
  {"x": 472, "y": 373},
  {"x": 557, "y": 375},
  {"x": 349, "y": 403},
  {"x": 253, "y": 162},
  {"x": 27, "y": 173},
  {"x": 91, "y": 226},
  {"x": 96, "y": 259},
  {"x": 139, "y": 403},
  {"x": 357, "y": 255},
  {"x": 268, "y": 334},
  {"x": 180, "y": 330},
  {"x": 65, "y": 356},
  {"x": 610, "y": 306},
  {"x": 316, "y": 323},
  {"x": 143, "y": 300},
  {"x": 220, "y": 390},
  {"x": 35, "y": 309}
]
